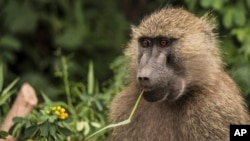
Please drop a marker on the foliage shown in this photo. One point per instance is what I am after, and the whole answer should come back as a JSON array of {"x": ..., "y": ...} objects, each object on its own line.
[
  {"x": 45, "y": 124},
  {"x": 5, "y": 95},
  {"x": 3, "y": 134},
  {"x": 31, "y": 31},
  {"x": 81, "y": 115},
  {"x": 85, "y": 101}
]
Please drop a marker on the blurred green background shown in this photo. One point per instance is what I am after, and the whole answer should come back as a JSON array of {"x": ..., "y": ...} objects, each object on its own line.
[{"x": 32, "y": 32}]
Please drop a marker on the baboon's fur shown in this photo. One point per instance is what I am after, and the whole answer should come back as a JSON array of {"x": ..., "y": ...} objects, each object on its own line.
[{"x": 210, "y": 102}]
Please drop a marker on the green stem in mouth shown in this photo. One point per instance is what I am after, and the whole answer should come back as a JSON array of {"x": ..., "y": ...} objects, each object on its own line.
[
  {"x": 136, "y": 105},
  {"x": 127, "y": 121}
]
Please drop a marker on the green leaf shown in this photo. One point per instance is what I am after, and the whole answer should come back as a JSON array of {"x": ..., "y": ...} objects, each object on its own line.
[
  {"x": 96, "y": 124},
  {"x": 71, "y": 38},
  {"x": 217, "y": 4},
  {"x": 10, "y": 42},
  {"x": 239, "y": 15},
  {"x": 191, "y": 5},
  {"x": 79, "y": 125},
  {"x": 206, "y": 3},
  {"x": 64, "y": 131},
  {"x": 52, "y": 119},
  {"x": 16, "y": 129},
  {"x": 44, "y": 130},
  {"x": 245, "y": 49},
  {"x": 241, "y": 33},
  {"x": 98, "y": 105},
  {"x": 52, "y": 138},
  {"x": 1, "y": 77},
  {"x": 248, "y": 3},
  {"x": 78, "y": 12},
  {"x": 86, "y": 128},
  {"x": 3, "y": 134},
  {"x": 91, "y": 78},
  {"x": 6, "y": 93},
  {"x": 52, "y": 130},
  {"x": 30, "y": 130},
  {"x": 228, "y": 17},
  {"x": 20, "y": 17},
  {"x": 18, "y": 119},
  {"x": 5, "y": 96},
  {"x": 46, "y": 98},
  {"x": 68, "y": 120},
  {"x": 10, "y": 86}
]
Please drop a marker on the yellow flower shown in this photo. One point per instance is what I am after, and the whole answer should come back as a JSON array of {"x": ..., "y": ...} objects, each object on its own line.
[
  {"x": 53, "y": 108},
  {"x": 60, "y": 112},
  {"x": 57, "y": 113},
  {"x": 63, "y": 115},
  {"x": 58, "y": 108}
]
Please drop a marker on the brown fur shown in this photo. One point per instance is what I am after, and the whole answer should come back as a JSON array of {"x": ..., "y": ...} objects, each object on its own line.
[{"x": 210, "y": 102}]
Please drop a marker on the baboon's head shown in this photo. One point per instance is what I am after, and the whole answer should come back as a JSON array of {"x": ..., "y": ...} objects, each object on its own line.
[{"x": 174, "y": 50}]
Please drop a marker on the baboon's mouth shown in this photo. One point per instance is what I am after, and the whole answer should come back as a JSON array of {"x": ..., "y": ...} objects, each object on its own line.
[
  {"x": 154, "y": 95},
  {"x": 147, "y": 89}
]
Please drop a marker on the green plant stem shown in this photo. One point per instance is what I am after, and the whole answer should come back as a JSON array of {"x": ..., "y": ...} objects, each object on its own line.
[
  {"x": 127, "y": 121},
  {"x": 67, "y": 89},
  {"x": 135, "y": 107},
  {"x": 66, "y": 81}
]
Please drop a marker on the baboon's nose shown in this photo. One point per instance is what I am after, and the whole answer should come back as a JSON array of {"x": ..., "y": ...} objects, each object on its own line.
[
  {"x": 143, "y": 76},
  {"x": 143, "y": 79}
]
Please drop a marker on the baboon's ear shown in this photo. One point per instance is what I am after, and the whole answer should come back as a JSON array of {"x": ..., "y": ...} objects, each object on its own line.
[
  {"x": 134, "y": 30},
  {"x": 210, "y": 22}
]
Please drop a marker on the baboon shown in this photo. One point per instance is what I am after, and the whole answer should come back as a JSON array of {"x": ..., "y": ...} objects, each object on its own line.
[{"x": 174, "y": 57}]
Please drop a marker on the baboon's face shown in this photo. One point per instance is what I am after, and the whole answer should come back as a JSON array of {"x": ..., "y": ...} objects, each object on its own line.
[
  {"x": 157, "y": 69},
  {"x": 174, "y": 50}
]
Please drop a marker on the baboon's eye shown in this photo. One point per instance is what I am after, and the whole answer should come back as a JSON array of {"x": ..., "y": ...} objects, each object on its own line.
[
  {"x": 165, "y": 42},
  {"x": 145, "y": 42}
]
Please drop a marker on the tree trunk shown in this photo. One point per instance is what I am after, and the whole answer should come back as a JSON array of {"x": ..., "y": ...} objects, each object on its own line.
[{"x": 26, "y": 100}]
